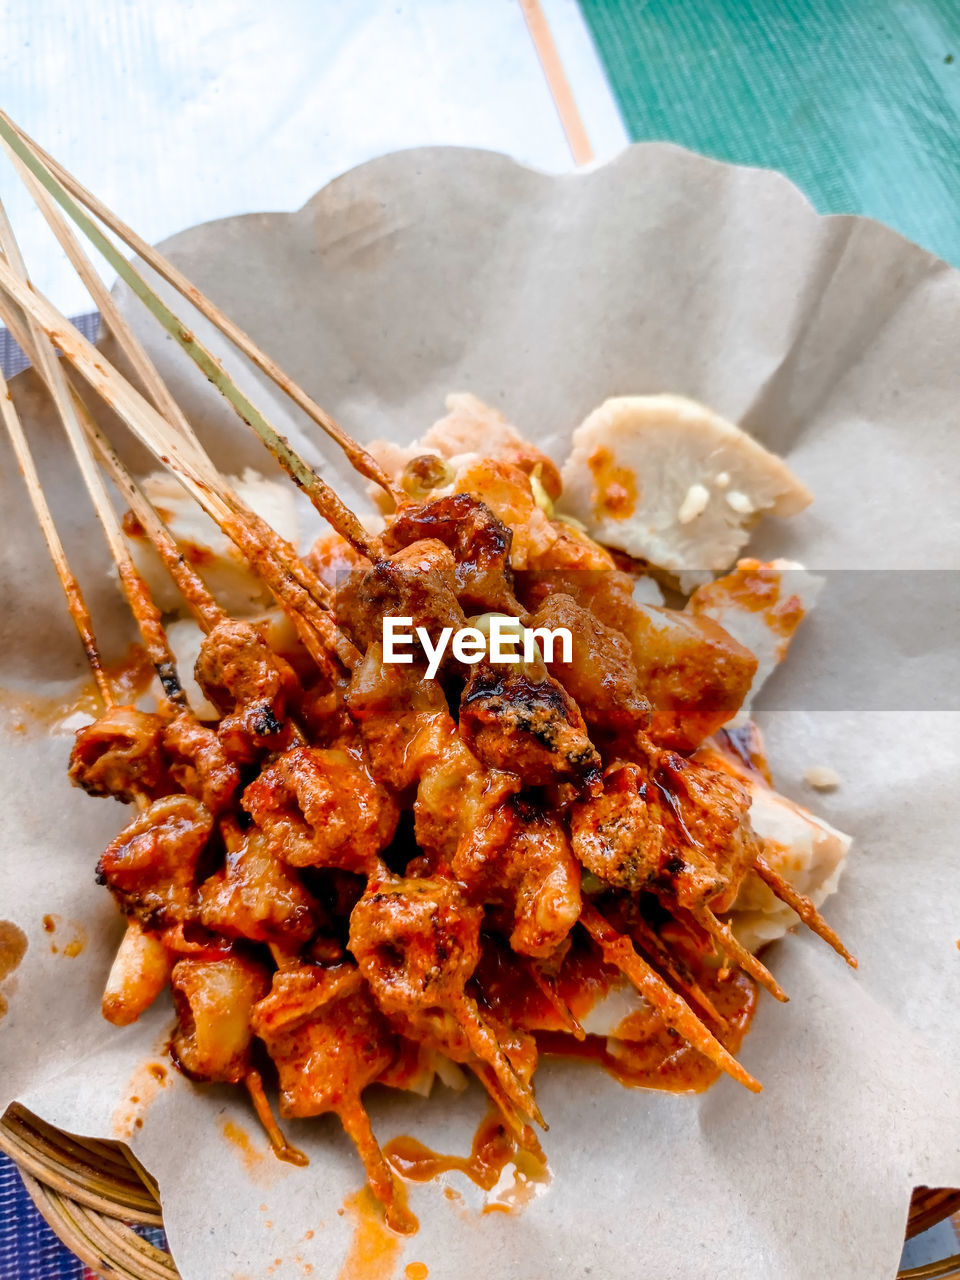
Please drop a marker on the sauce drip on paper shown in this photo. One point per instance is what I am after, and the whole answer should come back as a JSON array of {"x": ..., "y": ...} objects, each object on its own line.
[{"x": 13, "y": 947}]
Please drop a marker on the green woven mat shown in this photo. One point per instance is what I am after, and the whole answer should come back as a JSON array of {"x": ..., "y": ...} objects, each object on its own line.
[{"x": 858, "y": 101}]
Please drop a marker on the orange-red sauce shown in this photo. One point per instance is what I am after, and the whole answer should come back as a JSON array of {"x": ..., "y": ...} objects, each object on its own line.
[
  {"x": 75, "y": 942},
  {"x": 615, "y": 487},
  {"x": 374, "y": 1250},
  {"x": 13, "y": 947},
  {"x": 129, "y": 678},
  {"x": 494, "y": 1151},
  {"x": 646, "y": 1054},
  {"x": 145, "y": 1083}
]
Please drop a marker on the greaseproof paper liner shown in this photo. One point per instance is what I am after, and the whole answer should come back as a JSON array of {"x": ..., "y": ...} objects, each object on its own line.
[{"x": 834, "y": 341}]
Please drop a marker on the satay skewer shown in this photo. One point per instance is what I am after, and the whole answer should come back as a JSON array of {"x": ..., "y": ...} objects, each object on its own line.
[
  {"x": 189, "y": 583},
  {"x": 647, "y": 940},
  {"x": 192, "y": 467},
  {"x": 618, "y": 950},
  {"x": 142, "y": 607},
  {"x": 326, "y": 501},
  {"x": 71, "y": 588},
  {"x": 802, "y": 905},
  {"x": 158, "y": 392},
  {"x": 154, "y": 386},
  {"x": 745, "y": 960}
]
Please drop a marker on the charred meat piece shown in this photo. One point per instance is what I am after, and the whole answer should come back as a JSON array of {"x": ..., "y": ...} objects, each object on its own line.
[
  {"x": 517, "y": 717},
  {"x": 151, "y": 866},
  {"x": 121, "y": 755},
  {"x": 671, "y": 826},
  {"x": 250, "y": 685},
  {"x": 417, "y": 582},
  {"x": 480, "y": 543},
  {"x": 322, "y": 808}
]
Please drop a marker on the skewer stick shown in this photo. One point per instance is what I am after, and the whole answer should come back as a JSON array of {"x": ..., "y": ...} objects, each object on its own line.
[
  {"x": 282, "y": 1149},
  {"x": 484, "y": 1043},
  {"x": 189, "y": 583},
  {"x": 326, "y": 501},
  {"x": 277, "y": 562},
  {"x": 71, "y": 588},
  {"x": 154, "y": 385},
  {"x": 550, "y": 993},
  {"x": 723, "y": 934},
  {"x": 383, "y": 1183},
  {"x": 62, "y": 185},
  {"x": 138, "y": 596},
  {"x": 618, "y": 950},
  {"x": 188, "y": 462},
  {"x": 802, "y": 905},
  {"x": 647, "y": 940}
]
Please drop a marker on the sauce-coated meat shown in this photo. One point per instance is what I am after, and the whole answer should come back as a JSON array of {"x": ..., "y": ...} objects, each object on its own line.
[
  {"x": 255, "y": 896},
  {"x": 120, "y": 754},
  {"x": 198, "y": 764},
  {"x": 601, "y": 675},
  {"x": 150, "y": 867},
  {"x": 322, "y": 808},
  {"x": 517, "y": 717},
  {"x": 214, "y": 1000},
  {"x": 668, "y": 825},
  {"x": 250, "y": 685},
  {"x": 479, "y": 541},
  {"x": 418, "y": 582},
  {"x": 522, "y": 857}
]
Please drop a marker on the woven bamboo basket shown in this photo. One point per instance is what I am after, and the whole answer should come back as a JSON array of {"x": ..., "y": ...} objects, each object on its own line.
[{"x": 92, "y": 1193}]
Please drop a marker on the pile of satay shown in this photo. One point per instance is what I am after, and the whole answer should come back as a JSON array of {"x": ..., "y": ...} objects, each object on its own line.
[{"x": 326, "y": 873}]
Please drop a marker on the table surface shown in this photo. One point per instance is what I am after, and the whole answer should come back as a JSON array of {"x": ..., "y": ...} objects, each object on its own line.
[{"x": 176, "y": 113}]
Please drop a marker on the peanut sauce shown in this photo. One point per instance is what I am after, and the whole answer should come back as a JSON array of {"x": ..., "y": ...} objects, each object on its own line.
[
  {"x": 493, "y": 1149},
  {"x": 74, "y": 943},
  {"x": 145, "y": 1083},
  {"x": 615, "y": 492},
  {"x": 644, "y": 1052}
]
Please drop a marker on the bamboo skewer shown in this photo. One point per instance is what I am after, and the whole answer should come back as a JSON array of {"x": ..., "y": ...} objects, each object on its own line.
[
  {"x": 805, "y": 909},
  {"x": 154, "y": 385},
  {"x": 191, "y": 465},
  {"x": 326, "y": 501},
  {"x": 71, "y": 588},
  {"x": 723, "y": 934},
  {"x": 135, "y": 589},
  {"x": 36, "y": 158},
  {"x": 619, "y": 951},
  {"x": 189, "y": 583}
]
